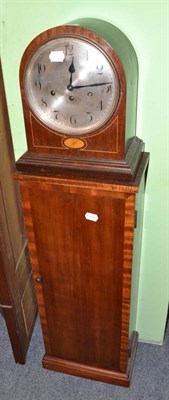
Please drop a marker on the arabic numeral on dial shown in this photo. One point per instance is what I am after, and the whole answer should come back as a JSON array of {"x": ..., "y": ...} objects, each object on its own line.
[
  {"x": 56, "y": 114},
  {"x": 109, "y": 88},
  {"x": 99, "y": 69},
  {"x": 38, "y": 84},
  {"x": 41, "y": 68},
  {"x": 73, "y": 120},
  {"x": 90, "y": 116},
  {"x": 68, "y": 49},
  {"x": 44, "y": 102},
  {"x": 100, "y": 105}
]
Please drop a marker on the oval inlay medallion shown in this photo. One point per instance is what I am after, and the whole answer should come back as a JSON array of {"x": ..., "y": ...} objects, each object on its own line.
[{"x": 74, "y": 143}]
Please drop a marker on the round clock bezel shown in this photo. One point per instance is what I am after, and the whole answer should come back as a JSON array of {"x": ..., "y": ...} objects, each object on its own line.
[{"x": 106, "y": 51}]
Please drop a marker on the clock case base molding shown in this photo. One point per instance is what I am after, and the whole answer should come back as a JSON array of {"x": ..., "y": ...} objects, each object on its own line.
[
  {"x": 116, "y": 170},
  {"x": 98, "y": 374}
]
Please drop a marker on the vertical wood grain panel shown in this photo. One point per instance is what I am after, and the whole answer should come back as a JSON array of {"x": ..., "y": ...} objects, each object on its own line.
[
  {"x": 34, "y": 261},
  {"x": 127, "y": 274}
]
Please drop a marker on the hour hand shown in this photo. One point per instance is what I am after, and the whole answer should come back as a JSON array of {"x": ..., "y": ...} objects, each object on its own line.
[{"x": 71, "y": 70}]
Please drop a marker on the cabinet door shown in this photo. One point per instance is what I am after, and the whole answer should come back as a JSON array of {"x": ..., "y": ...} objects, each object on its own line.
[
  {"x": 17, "y": 297},
  {"x": 80, "y": 243}
]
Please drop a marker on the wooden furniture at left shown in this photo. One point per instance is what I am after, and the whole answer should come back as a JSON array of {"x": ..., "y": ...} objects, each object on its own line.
[{"x": 17, "y": 297}]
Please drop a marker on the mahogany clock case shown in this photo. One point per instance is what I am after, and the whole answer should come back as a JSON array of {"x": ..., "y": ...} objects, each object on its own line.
[
  {"x": 112, "y": 149},
  {"x": 80, "y": 207}
]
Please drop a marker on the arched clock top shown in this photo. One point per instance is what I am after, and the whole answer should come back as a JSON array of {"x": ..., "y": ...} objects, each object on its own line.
[{"x": 79, "y": 92}]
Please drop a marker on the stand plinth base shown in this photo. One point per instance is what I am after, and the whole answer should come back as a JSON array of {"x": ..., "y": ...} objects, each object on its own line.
[{"x": 98, "y": 374}]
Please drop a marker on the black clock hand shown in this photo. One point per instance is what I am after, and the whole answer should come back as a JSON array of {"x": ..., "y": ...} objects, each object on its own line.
[
  {"x": 71, "y": 70},
  {"x": 71, "y": 87}
]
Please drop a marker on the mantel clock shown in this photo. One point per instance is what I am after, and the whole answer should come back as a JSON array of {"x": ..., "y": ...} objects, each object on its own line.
[{"x": 80, "y": 181}]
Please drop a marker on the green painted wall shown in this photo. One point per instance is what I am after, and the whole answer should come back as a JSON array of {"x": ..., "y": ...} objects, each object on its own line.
[{"x": 145, "y": 24}]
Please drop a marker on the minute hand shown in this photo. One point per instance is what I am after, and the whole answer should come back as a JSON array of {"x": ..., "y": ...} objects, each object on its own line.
[{"x": 91, "y": 85}]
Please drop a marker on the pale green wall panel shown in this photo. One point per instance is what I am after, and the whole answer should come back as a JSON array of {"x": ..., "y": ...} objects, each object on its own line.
[{"x": 145, "y": 24}]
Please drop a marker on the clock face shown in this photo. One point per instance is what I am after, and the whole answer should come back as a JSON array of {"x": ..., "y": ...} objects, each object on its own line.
[{"x": 71, "y": 85}]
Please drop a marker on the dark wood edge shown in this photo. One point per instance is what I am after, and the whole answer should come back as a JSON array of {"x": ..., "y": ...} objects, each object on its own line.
[
  {"x": 91, "y": 180},
  {"x": 142, "y": 168},
  {"x": 134, "y": 152},
  {"x": 8, "y": 310},
  {"x": 98, "y": 374},
  {"x": 19, "y": 352},
  {"x": 115, "y": 170},
  {"x": 133, "y": 349},
  {"x": 85, "y": 371}
]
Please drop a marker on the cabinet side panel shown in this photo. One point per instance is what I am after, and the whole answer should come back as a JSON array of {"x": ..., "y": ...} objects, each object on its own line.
[{"x": 137, "y": 254}]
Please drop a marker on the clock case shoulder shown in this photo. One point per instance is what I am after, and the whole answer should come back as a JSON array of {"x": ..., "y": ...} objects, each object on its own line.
[{"x": 122, "y": 172}]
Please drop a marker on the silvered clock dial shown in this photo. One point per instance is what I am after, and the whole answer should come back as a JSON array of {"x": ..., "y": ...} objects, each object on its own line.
[{"x": 71, "y": 85}]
